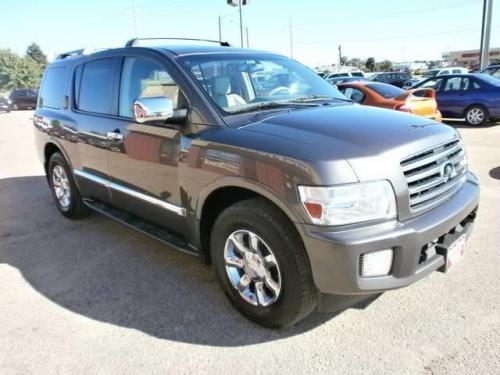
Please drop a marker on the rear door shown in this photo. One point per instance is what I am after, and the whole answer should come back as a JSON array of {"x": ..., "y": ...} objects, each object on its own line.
[{"x": 96, "y": 108}]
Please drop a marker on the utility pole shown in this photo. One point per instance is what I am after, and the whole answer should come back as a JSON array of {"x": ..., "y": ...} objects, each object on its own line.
[
  {"x": 134, "y": 18},
  {"x": 220, "y": 29},
  {"x": 484, "y": 54},
  {"x": 291, "y": 37},
  {"x": 340, "y": 55},
  {"x": 248, "y": 38},
  {"x": 241, "y": 21}
]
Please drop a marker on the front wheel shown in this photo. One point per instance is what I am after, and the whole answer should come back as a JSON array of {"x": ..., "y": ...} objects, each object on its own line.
[
  {"x": 262, "y": 265},
  {"x": 476, "y": 115}
]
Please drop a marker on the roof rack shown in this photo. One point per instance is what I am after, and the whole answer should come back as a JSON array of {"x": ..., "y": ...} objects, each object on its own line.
[
  {"x": 134, "y": 42},
  {"x": 78, "y": 52}
]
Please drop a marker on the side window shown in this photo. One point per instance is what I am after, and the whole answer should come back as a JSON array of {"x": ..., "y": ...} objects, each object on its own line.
[
  {"x": 30, "y": 94},
  {"x": 433, "y": 84},
  {"x": 456, "y": 71},
  {"x": 352, "y": 93},
  {"x": 97, "y": 87},
  {"x": 53, "y": 87},
  {"x": 475, "y": 85},
  {"x": 144, "y": 78},
  {"x": 453, "y": 84}
]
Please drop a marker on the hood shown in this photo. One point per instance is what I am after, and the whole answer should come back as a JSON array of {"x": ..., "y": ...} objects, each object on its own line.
[{"x": 353, "y": 131}]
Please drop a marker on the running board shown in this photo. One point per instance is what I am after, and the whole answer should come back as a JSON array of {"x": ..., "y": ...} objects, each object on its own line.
[{"x": 141, "y": 225}]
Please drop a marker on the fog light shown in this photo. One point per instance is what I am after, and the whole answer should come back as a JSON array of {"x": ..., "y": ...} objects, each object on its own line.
[{"x": 377, "y": 263}]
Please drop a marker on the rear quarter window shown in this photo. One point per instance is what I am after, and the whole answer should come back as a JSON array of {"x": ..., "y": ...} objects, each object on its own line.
[
  {"x": 97, "y": 87},
  {"x": 53, "y": 87}
]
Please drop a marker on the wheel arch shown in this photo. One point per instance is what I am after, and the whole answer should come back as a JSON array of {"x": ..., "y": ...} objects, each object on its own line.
[
  {"x": 224, "y": 193},
  {"x": 477, "y": 104},
  {"x": 49, "y": 149}
]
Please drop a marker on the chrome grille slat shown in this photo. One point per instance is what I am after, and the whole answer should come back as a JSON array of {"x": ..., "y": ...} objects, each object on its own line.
[
  {"x": 434, "y": 157},
  {"x": 434, "y": 174},
  {"x": 412, "y": 177}
]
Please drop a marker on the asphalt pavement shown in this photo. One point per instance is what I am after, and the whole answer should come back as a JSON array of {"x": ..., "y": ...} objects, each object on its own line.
[{"x": 95, "y": 297}]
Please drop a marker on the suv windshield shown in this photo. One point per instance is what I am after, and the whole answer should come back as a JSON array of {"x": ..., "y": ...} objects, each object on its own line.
[{"x": 239, "y": 83}]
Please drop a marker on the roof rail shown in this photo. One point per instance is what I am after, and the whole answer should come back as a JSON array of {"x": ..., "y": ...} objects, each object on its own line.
[
  {"x": 134, "y": 42},
  {"x": 78, "y": 52}
]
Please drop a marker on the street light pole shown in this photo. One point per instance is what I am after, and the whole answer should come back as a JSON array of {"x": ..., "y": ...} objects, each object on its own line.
[
  {"x": 291, "y": 38},
  {"x": 248, "y": 38},
  {"x": 484, "y": 53}
]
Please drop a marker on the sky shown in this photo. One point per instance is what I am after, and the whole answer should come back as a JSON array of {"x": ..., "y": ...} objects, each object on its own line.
[{"x": 398, "y": 30}]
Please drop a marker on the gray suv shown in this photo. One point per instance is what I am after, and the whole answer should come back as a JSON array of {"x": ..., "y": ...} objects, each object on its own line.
[{"x": 301, "y": 199}]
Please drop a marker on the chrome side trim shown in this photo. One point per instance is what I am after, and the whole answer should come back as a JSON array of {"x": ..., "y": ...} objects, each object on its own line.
[{"x": 181, "y": 211}]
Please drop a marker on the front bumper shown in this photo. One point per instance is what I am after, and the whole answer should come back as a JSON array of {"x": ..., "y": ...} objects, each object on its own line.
[{"x": 335, "y": 255}]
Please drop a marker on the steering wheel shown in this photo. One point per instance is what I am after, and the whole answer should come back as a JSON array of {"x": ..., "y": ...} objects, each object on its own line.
[{"x": 280, "y": 89}]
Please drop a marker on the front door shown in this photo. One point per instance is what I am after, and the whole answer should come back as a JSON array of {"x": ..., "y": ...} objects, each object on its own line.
[{"x": 143, "y": 159}]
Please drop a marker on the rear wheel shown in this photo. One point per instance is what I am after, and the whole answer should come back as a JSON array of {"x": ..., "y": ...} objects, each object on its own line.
[
  {"x": 476, "y": 115},
  {"x": 261, "y": 264},
  {"x": 64, "y": 190}
]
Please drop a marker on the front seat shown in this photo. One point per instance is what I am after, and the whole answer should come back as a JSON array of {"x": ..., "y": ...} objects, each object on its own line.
[{"x": 222, "y": 93}]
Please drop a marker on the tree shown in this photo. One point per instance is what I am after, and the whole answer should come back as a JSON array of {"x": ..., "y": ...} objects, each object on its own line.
[
  {"x": 35, "y": 53},
  {"x": 343, "y": 60},
  {"x": 17, "y": 72},
  {"x": 358, "y": 63},
  {"x": 370, "y": 64},
  {"x": 385, "y": 65}
]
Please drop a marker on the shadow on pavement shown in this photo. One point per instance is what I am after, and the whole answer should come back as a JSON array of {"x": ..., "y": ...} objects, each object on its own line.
[
  {"x": 107, "y": 272},
  {"x": 463, "y": 125}
]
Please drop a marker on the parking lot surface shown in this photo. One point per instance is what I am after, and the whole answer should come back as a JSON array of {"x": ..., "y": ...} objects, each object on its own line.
[{"x": 93, "y": 296}]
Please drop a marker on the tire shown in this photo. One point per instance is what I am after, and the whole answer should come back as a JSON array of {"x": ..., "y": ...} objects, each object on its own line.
[
  {"x": 476, "y": 115},
  {"x": 15, "y": 107},
  {"x": 60, "y": 177},
  {"x": 289, "y": 268}
]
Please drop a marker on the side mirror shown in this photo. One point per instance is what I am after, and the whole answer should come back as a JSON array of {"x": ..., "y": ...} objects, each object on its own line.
[{"x": 156, "y": 108}]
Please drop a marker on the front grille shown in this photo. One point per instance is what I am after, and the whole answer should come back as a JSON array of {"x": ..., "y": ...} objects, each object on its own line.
[{"x": 434, "y": 175}]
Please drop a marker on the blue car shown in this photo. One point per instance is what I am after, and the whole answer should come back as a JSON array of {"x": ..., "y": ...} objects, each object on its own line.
[{"x": 475, "y": 97}]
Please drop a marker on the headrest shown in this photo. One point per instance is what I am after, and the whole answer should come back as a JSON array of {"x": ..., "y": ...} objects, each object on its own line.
[{"x": 222, "y": 85}]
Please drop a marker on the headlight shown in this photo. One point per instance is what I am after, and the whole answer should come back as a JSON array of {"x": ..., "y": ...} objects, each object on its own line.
[{"x": 347, "y": 204}]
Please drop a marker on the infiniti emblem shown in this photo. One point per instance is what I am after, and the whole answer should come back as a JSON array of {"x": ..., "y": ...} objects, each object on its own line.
[{"x": 448, "y": 172}]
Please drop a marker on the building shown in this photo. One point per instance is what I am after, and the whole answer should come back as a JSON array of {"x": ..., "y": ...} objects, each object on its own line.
[{"x": 469, "y": 58}]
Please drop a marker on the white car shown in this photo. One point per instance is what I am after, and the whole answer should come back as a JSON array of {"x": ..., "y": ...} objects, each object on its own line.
[
  {"x": 357, "y": 73},
  {"x": 434, "y": 73}
]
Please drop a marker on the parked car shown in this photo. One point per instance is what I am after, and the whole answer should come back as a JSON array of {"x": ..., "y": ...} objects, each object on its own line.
[
  {"x": 435, "y": 73},
  {"x": 492, "y": 70},
  {"x": 301, "y": 199},
  {"x": 420, "y": 102},
  {"x": 337, "y": 80},
  {"x": 475, "y": 97},
  {"x": 392, "y": 78},
  {"x": 4, "y": 104},
  {"x": 23, "y": 99},
  {"x": 356, "y": 73}
]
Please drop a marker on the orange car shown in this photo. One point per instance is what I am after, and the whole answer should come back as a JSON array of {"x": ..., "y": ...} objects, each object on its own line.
[{"x": 420, "y": 102}]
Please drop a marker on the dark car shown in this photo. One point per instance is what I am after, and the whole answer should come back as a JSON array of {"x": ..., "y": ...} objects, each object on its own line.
[
  {"x": 393, "y": 78},
  {"x": 492, "y": 70},
  {"x": 475, "y": 97},
  {"x": 337, "y": 80},
  {"x": 23, "y": 99},
  {"x": 4, "y": 104},
  {"x": 301, "y": 199}
]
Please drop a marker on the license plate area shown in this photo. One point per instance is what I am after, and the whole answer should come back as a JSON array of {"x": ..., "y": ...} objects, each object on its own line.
[{"x": 453, "y": 253}]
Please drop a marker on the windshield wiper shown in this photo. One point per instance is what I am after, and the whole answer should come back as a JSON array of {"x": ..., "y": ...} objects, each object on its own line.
[
  {"x": 314, "y": 98},
  {"x": 271, "y": 105}
]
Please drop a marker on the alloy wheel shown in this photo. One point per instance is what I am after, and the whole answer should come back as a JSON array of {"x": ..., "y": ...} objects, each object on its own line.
[
  {"x": 475, "y": 116},
  {"x": 60, "y": 182},
  {"x": 252, "y": 268}
]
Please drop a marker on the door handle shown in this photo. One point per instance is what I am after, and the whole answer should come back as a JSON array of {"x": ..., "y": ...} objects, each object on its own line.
[{"x": 115, "y": 136}]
